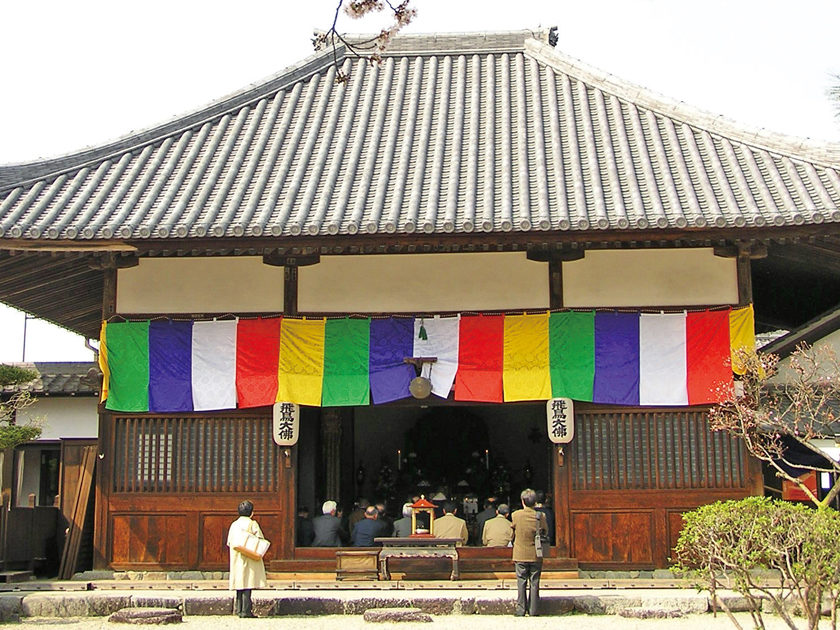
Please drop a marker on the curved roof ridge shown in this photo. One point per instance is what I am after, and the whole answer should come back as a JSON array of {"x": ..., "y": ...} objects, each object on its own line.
[
  {"x": 823, "y": 153},
  {"x": 17, "y": 174},
  {"x": 447, "y": 43}
]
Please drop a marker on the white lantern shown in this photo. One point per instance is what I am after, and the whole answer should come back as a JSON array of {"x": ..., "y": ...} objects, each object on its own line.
[
  {"x": 286, "y": 423},
  {"x": 560, "y": 416}
]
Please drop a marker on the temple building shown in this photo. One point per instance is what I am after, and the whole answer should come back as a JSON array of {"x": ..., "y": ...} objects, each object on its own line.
[{"x": 396, "y": 284}]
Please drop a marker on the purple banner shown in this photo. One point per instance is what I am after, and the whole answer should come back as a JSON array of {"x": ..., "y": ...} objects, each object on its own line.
[
  {"x": 391, "y": 340},
  {"x": 170, "y": 366},
  {"x": 616, "y": 358}
]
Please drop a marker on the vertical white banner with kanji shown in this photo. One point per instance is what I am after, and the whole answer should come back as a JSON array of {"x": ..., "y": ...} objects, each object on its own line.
[
  {"x": 286, "y": 423},
  {"x": 560, "y": 413}
]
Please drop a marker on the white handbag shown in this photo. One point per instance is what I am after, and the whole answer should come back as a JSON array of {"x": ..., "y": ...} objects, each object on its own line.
[{"x": 248, "y": 544}]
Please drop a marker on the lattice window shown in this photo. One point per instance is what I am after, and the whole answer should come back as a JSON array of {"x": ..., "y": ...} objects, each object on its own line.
[
  {"x": 194, "y": 454},
  {"x": 654, "y": 450}
]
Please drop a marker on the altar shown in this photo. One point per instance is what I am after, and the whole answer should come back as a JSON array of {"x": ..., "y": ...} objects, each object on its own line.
[{"x": 417, "y": 547}]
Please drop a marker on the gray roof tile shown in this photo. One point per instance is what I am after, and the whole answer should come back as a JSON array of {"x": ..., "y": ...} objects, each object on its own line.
[{"x": 451, "y": 134}]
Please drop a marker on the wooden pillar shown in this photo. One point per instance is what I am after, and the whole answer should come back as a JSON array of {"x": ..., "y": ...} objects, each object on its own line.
[
  {"x": 743, "y": 252},
  {"x": 331, "y": 452},
  {"x": 560, "y": 487},
  {"x": 745, "y": 293},
  {"x": 555, "y": 287},
  {"x": 290, "y": 288}
]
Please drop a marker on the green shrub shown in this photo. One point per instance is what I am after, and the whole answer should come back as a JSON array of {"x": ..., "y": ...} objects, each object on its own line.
[{"x": 731, "y": 544}]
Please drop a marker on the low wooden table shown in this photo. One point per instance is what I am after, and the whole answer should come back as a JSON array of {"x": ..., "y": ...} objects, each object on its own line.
[{"x": 417, "y": 547}]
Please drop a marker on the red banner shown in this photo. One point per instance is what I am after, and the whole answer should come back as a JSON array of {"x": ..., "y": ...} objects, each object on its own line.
[
  {"x": 481, "y": 359},
  {"x": 708, "y": 357},
  {"x": 257, "y": 355}
]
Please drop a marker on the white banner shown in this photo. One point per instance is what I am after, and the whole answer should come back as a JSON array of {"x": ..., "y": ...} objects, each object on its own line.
[
  {"x": 286, "y": 423},
  {"x": 560, "y": 414}
]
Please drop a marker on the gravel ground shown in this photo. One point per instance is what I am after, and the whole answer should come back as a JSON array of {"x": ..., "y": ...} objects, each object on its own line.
[{"x": 448, "y": 622}]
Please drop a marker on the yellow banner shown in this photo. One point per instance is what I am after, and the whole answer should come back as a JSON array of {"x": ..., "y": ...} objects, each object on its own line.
[
  {"x": 526, "y": 361},
  {"x": 741, "y": 335},
  {"x": 300, "y": 371},
  {"x": 103, "y": 364}
]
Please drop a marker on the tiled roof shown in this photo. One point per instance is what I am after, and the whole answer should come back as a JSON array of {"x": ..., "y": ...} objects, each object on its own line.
[
  {"x": 58, "y": 379},
  {"x": 451, "y": 134}
]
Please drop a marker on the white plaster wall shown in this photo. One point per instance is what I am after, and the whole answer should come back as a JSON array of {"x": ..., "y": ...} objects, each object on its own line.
[
  {"x": 423, "y": 282},
  {"x": 663, "y": 277},
  {"x": 240, "y": 284},
  {"x": 29, "y": 475},
  {"x": 64, "y": 417}
]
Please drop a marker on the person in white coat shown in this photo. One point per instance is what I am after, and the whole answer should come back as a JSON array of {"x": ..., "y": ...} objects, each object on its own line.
[{"x": 245, "y": 573}]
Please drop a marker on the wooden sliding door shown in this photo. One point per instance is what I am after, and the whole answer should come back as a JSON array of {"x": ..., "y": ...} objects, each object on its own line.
[
  {"x": 170, "y": 486},
  {"x": 630, "y": 475}
]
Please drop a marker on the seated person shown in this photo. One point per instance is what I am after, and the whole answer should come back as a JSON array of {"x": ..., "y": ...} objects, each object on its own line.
[
  {"x": 402, "y": 527},
  {"x": 327, "y": 527},
  {"x": 485, "y": 515},
  {"x": 304, "y": 531},
  {"x": 450, "y": 526},
  {"x": 498, "y": 532},
  {"x": 368, "y": 528}
]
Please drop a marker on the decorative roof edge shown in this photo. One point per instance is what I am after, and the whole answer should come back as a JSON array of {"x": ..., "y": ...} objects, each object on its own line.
[
  {"x": 14, "y": 175},
  {"x": 825, "y": 154}
]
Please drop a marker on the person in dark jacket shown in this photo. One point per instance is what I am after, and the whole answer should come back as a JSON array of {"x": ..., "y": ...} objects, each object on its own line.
[
  {"x": 368, "y": 528},
  {"x": 304, "y": 531},
  {"x": 328, "y": 531}
]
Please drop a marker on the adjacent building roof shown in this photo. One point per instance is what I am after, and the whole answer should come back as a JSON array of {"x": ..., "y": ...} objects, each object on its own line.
[
  {"x": 68, "y": 378},
  {"x": 455, "y": 133},
  {"x": 809, "y": 333}
]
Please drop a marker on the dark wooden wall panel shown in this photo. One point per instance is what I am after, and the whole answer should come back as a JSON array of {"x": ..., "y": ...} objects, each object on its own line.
[
  {"x": 674, "y": 524},
  {"x": 213, "y": 550},
  {"x": 630, "y": 476},
  {"x": 613, "y": 537},
  {"x": 150, "y": 539}
]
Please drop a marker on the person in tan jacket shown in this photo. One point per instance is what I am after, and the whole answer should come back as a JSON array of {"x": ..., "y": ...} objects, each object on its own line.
[
  {"x": 525, "y": 561},
  {"x": 498, "y": 532},
  {"x": 450, "y": 526}
]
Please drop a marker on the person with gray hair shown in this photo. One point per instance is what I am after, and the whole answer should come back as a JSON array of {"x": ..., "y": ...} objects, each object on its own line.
[
  {"x": 328, "y": 530},
  {"x": 402, "y": 527},
  {"x": 527, "y": 564},
  {"x": 498, "y": 531}
]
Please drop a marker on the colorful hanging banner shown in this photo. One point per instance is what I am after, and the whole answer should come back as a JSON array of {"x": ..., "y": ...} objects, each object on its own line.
[
  {"x": 438, "y": 337},
  {"x": 103, "y": 362},
  {"x": 480, "y": 359},
  {"x": 616, "y": 358},
  {"x": 127, "y": 351},
  {"x": 391, "y": 341},
  {"x": 346, "y": 361},
  {"x": 257, "y": 357},
  {"x": 662, "y": 360},
  {"x": 572, "y": 354},
  {"x": 606, "y": 357},
  {"x": 741, "y": 336},
  {"x": 301, "y": 367},
  {"x": 170, "y": 366},
  {"x": 526, "y": 358},
  {"x": 213, "y": 359},
  {"x": 708, "y": 357}
]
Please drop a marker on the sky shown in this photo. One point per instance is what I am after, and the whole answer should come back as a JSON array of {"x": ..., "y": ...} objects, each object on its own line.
[{"x": 77, "y": 74}]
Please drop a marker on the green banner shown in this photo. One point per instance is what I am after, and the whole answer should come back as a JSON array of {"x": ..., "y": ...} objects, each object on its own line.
[
  {"x": 571, "y": 338},
  {"x": 346, "y": 357},
  {"x": 128, "y": 360}
]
